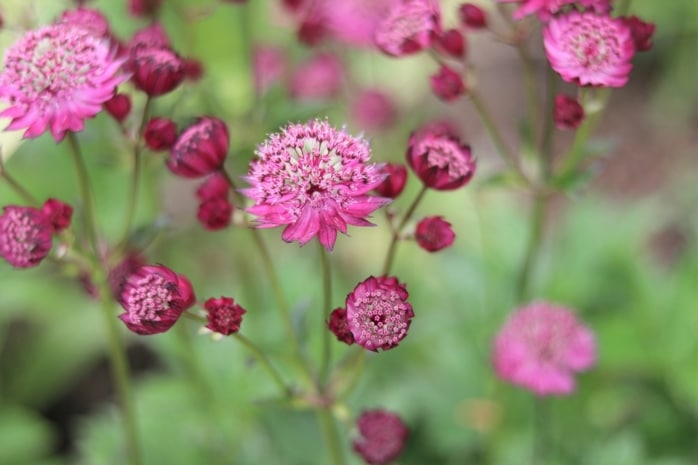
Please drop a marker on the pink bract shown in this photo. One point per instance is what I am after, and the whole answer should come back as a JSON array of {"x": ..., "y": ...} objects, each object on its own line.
[
  {"x": 55, "y": 77},
  {"x": 378, "y": 313},
  {"x": 25, "y": 236},
  {"x": 396, "y": 178},
  {"x": 318, "y": 78},
  {"x": 588, "y": 49},
  {"x": 382, "y": 436},
  {"x": 314, "y": 180},
  {"x": 545, "y": 9},
  {"x": 153, "y": 298},
  {"x": 541, "y": 347},
  {"x": 58, "y": 213},
  {"x": 339, "y": 326},
  {"x": 409, "y": 27}
]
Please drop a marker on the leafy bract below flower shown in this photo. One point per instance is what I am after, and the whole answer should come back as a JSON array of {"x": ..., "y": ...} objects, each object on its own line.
[
  {"x": 541, "y": 346},
  {"x": 313, "y": 179},
  {"x": 588, "y": 49},
  {"x": 57, "y": 76}
]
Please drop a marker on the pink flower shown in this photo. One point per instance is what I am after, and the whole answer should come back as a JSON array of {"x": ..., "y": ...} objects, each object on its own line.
[
  {"x": 545, "y": 9},
  {"x": 58, "y": 213},
  {"x": 447, "y": 84},
  {"x": 160, "y": 134},
  {"x": 452, "y": 43},
  {"x": 339, "y": 326},
  {"x": 408, "y": 28},
  {"x": 439, "y": 159},
  {"x": 313, "y": 179},
  {"x": 373, "y": 110},
  {"x": 320, "y": 77},
  {"x": 434, "y": 234},
  {"x": 378, "y": 313},
  {"x": 156, "y": 71},
  {"x": 224, "y": 315},
  {"x": 200, "y": 149},
  {"x": 382, "y": 436},
  {"x": 86, "y": 18},
  {"x": 355, "y": 21},
  {"x": 152, "y": 36},
  {"x": 472, "y": 16},
  {"x": 567, "y": 113},
  {"x": 119, "y": 107},
  {"x": 55, "y": 78},
  {"x": 641, "y": 31},
  {"x": 588, "y": 49},
  {"x": 25, "y": 236},
  {"x": 215, "y": 210},
  {"x": 153, "y": 298},
  {"x": 216, "y": 185},
  {"x": 268, "y": 66},
  {"x": 193, "y": 69},
  {"x": 394, "y": 183},
  {"x": 541, "y": 346},
  {"x": 119, "y": 274}
]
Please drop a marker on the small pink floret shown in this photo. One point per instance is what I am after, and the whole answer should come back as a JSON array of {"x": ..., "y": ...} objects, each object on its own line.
[{"x": 541, "y": 347}]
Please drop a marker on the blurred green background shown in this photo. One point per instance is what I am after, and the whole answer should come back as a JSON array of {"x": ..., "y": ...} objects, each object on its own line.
[{"x": 621, "y": 250}]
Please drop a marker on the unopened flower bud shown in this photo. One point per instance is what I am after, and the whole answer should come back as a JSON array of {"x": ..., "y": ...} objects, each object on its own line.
[
  {"x": 119, "y": 107},
  {"x": 160, "y": 134},
  {"x": 200, "y": 149},
  {"x": 447, "y": 84},
  {"x": 472, "y": 16},
  {"x": 434, "y": 234},
  {"x": 567, "y": 113},
  {"x": 156, "y": 71}
]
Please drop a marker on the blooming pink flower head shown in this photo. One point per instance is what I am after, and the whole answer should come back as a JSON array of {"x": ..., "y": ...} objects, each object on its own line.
[
  {"x": 447, "y": 84},
  {"x": 55, "y": 77},
  {"x": 378, "y": 313},
  {"x": 160, "y": 134},
  {"x": 439, "y": 159},
  {"x": 156, "y": 70},
  {"x": 354, "y": 22},
  {"x": 339, "y": 326},
  {"x": 58, "y": 213},
  {"x": 25, "y": 236},
  {"x": 409, "y": 27},
  {"x": 382, "y": 436},
  {"x": 541, "y": 347},
  {"x": 433, "y": 233},
  {"x": 373, "y": 110},
  {"x": 86, "y": 18},
  {"x": 314, "y": 180},
  {"x": 567, "y": 112},
  {"x": 394, "y": 183},
  {"x": 319, "y": 78},
  {"x": 119, "y": 107},
  {"x": 588, "y": 49},
  {"x": 641, "y": 31},
  {"x": 545, "y": 9},
  {"x": 268, "y": 66},
  {"x": 224, "y": 315},
  {"x": 144, "y": 8},
  {"x": 200, "y": 149},
  {"x": 153, "y": 298}
]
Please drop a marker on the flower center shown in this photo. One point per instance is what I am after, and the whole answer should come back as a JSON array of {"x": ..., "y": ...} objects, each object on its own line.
[
  {"x": 381, "y": 317},
  {"x": 150, "y": 296}
]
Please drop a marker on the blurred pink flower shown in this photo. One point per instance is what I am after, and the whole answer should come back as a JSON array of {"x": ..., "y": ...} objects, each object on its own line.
[
  {"x": 86, "y": 18},
  {"x": 567, "y": 112},
  {"x": 58, "y": 213},
  {"x": 355, "y": 21},
  {"x": 25, "y": 236},
  {"x": 545, "y": 9},
  {"x": 394, "y": 183},
  {"x": 433, "y": 233},
  {"x": 447, "y": 84},
  {"x": 541, "y": 347},
  {"x": 224, "y": 315},
  {"x": 314, "y": 180},
  {"x": 382, "y": 436},
  {"x": 268, "y": 66},
  {"x": 320, "y": 77},
  {"x": 408, "y": 28},
  {"x": 588, "y": 49},
  {"x": 373, "y": 110},
  {"x": 156, "y": 70},
  {"x": 339, "y": 326},
  {"x": 55, "y": 77}
]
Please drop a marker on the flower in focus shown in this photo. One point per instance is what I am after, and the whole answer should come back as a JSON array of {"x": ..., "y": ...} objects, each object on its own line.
[
  {"x": 378, "y": 313},
  {"x": 200, "y": 149},
  {"x": 320, "y": 77},
  {"x": 215, "y": 210},
  {"x": 409, "y": 28},
  {"x": 541, "y": 347},
  {"x": 382, "y": 436},
  {"x": 641, "y": 31},
  {"x": 567, "y": 112},
  {"x": 224, "y": 315},
  {"x": 156, "y": 70},
  {"x": 314, "y": 180},
  {"x": 439, "y": 159},
  {"x": 339, "y": 326},
  {"x": 545, "y": 9},
  {"x": 447, "y": 84},
  {"x": 472, "y": 16},
  {"x": 153, "y": 298},
  {"x": 434, "y": 233},
  {"x": 373, "y": 110},
  {"x": 119, "y": 107},
  {"x": 588, "y": 49},
  {"x": 55, "y": 77},
  {"x": 394, "y": 183},
  {"x": 268, "y": 66},
  {"x": 25, "y": 236},
  {"x": 58, "y": 213},
  {"x": 160, "y": 134}
]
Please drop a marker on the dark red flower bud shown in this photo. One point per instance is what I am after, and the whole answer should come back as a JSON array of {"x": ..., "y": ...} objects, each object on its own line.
[
  {"x": 642, "y": 32},
  {"x": 160, "y": 134},
  {"x": 216, "y": 185},
  {"x": 452, "y": 43},
  {"x": 224, "y": 315},
  {"x": 568, "y": 113},
  {"x": 312, "y": 31},
  {"x": 434, "y": 234},
  {"x": 119, "y": 106},
  {"x": 200, "y": 149},
  {"x": 472, "y": 16},
  {"x": 395, "y": 181},
  {"x": 338, "y": 325},
  {"x": 447, "y": 84},
  {"x": 193, "y": 69},
  {"x": 58, "y": 213},
  {"x": 215, "y": 213},
  {"x": 156, "y": 71}
]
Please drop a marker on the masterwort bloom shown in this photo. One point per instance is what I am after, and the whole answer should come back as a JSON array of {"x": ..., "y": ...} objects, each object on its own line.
[
  {"x": 314, "y": 180},
  {"x": 378, "y": 313},
  {"x": 382, "y": 436},
  {"x": 224, "y": 315},
  {"x": 541, "y": 347},
  {"x": 588, "y": 49},
  {"x": 25, "y": 236},
  {"x": 153, "y": 298},
  {"x": 55, "y": 77}
]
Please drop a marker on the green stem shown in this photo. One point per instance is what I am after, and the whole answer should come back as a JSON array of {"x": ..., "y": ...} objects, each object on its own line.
[
  {"x": 531, "y": 91},
  {"x": 390, "y": 256},
  {"x": 264, "y": 360},
  {"x": 533, "y": 247},
  {"x": 326, "y": 309},
  {"x": 331, "y": 432},
  {"x": 546, "y": 145},
  {"x": 16, "y": 186},
  {"x": 85, "y": 193},
  {"x": 540, "y": 431}
]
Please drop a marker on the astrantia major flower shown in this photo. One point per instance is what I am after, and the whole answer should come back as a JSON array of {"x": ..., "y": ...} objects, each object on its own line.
[
  {"x": 588, "y": 49},
  {"x": 378, "y": 313},
  {"x": 25, "y": 236},
  {"x": 55, "y": 77},
  {"x": 314, "y": 180},
  {"x": 382, "y": 436},
  {"x": 541, "y": 347}
]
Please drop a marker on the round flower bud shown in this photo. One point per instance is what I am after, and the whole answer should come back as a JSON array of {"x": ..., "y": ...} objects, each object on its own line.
[
  {"x": 447, "y": 84},
  {"x": 119, "y": 107},
  {"x": 339, "y": 326},
  {"x": 382, "y": 436},
  {"x": 160, "y": 134},
  {"x": 25, "y": 236},
  {"x": 224, "y": 315},
  {"x": 472, "y": 16},
  {"x": 395, "y": 180},
  {"x": 567, "y": 113},
  {"x": 156, "y": 71},
  {"x": 200, "y": 149},
  {"x": 58, "y": 213},
  {"x": 434, "y": 234},
  {"x": 452, "y": 43}
]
